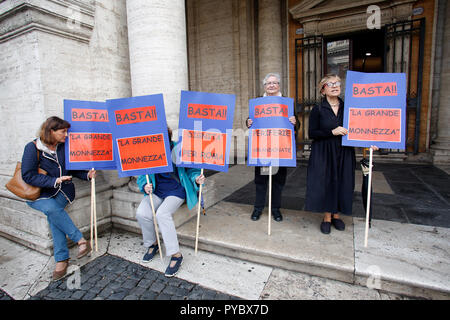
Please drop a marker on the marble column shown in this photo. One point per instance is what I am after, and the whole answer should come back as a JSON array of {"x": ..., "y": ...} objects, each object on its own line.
[
  {"x": 158, "y": 51},
  {"x": 441, "y": 148},
  {"x": 270, "y": 39}
]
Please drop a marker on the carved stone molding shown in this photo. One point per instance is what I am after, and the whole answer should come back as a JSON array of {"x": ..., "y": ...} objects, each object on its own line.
[
  {"x": 67, "y": 18},
  {"x": 333, "y": 16}
]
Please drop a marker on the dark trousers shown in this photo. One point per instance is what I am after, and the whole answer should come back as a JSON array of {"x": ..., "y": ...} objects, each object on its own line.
[{"x": 261, "y": 183}]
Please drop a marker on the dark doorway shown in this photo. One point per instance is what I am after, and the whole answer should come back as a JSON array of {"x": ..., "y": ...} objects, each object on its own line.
[
  {"x": 362, "y": 51},
  {"x": 368, "y": 52}
]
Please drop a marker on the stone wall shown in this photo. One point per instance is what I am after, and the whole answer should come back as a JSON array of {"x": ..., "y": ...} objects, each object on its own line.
[{"x": 51, "y": 51}]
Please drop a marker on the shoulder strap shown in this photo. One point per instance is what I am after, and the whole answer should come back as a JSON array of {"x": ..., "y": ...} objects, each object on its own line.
[{"x": 37, "y": 151}]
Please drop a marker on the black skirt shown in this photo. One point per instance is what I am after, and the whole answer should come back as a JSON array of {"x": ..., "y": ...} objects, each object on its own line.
[{"x": 331, "y": 168}]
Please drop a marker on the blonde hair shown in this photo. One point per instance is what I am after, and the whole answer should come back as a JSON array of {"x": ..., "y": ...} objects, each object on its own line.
[{"x": 325, "y": 79}]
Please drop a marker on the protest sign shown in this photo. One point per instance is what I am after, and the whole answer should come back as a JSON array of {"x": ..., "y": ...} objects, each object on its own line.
[
  {"x": 375, "y": 110},
  {"x": 271, "y": 136},
  {"x": 205, "y": 130},
  {"x": 205, "y": 127},
  {"x": 140, "y": 137},
  {"x": 89, "y": 143}
]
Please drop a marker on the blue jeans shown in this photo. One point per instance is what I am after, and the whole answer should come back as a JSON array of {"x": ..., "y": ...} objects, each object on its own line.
[{"x": 59, "y": 222}]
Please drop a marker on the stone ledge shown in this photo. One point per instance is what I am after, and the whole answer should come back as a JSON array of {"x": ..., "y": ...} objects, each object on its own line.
[{"x": 62, "y": 18}]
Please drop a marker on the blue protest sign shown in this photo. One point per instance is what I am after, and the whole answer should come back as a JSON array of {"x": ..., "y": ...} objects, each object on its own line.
[
  {"x": 89, "y": 141},
  {"x": 375, "y": 110},
  {"x": 271, "y": 136},
  {"x": 205, "y": 130},
  {"x": 140, "y": 137}
]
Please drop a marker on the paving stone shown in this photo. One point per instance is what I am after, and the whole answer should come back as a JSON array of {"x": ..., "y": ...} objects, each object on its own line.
[
  {"x": 78, "y": 294},
  {"x": 181, "y": 292},
  {"x": 118, "y": 295},
  {"x": 163, "y": 296},
  {"x": 112, "y": 278},
  {"x": 138, "y": 291},
  {"x": 208, "y": 294},
  {"x": 4, "y": 295},
  {"x": 186, "y": 285},
  {"x": 170, "y": 290},
  {"x": 89, "y": 296},
  {"x": 149, "y": 295},
  {"x": 130, "y": 283},
  {"x": 157, "y": 286},
  {"x": 145, "y": 283},
  {"x": 195, "y": 294},
  {"x": 105, "y": 293}
]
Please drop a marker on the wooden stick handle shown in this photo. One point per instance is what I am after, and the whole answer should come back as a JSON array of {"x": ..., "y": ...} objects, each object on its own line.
[
  {"x": 154, "y": 220},
  {"x": 269, "y": 227},
  {"x": 198, "y": 215},
  {"x": 95, "y": 215},
  {"x": 92, "y": 213},
  {"x": 368, "y": 200}
]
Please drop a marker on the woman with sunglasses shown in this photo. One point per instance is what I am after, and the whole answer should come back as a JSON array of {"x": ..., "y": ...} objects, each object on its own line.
[{"x": 331, "y": 167}]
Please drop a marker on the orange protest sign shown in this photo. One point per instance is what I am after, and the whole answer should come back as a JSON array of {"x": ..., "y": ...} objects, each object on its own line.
[
  {"x": 135, "y": 115},
  {"x": 369, "y": 90},
  {"x": 87, "y": 146},
  {"x": 375, "y": 124},
  {"x": 206, "y": 111},
  {"x": 272, "y": 143},
  {"x": 95, "y": 115},
  {"x": 203, "y": 147},
  {"x": 271, "y": 110},
  {"x": 142, "y": 152}
]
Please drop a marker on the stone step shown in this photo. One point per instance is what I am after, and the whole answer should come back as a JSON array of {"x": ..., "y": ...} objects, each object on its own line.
[{"x": 401, "y": 258}]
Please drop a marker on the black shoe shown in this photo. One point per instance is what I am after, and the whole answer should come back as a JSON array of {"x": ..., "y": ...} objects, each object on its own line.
[
  {"x": 325, "y": 227},
  {"x": 338, "y": 224},
  {"x": 256, "y": 214},
  {"x": 277, "y": 215}
]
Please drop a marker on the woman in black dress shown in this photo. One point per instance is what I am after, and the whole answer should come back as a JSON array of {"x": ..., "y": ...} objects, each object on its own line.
[{"x": 331, "y": 166}]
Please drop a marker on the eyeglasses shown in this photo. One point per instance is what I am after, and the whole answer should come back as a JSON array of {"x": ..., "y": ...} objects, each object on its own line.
[
  {"x": 270, "y": 83},
  {"x": 333, "y": 84}
]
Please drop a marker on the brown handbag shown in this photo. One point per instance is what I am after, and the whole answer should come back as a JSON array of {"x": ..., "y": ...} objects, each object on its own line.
[{"x": 22, "y": 189}]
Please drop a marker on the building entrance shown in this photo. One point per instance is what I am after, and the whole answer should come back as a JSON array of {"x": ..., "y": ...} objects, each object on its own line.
[{"x": 396, "y": 47}]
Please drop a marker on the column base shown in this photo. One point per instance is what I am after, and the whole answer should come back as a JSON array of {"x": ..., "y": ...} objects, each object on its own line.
[{"x": 441, "y": 151}]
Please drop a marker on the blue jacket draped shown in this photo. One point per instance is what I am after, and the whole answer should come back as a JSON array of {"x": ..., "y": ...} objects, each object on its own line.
[
  {"x": 55, "y": 168},
  {"x": 187, "y": 178}
]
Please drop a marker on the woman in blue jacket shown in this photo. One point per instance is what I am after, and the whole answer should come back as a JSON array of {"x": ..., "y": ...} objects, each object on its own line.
[
  {"x": 168, "y": 191},
  {"x": 57, "y": 189}
]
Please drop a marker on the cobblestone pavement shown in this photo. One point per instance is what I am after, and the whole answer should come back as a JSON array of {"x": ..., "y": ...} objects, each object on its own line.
[
  {"x": 4, "y": 295},
  {"x": 112, "y": 278}
]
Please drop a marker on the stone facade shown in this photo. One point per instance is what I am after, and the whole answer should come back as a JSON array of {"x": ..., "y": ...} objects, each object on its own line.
[
  {"x": 441, "y": 148},
  {"x": 51, "y": 50}
]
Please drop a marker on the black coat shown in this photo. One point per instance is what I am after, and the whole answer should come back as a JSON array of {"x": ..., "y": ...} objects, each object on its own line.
[
  {"x": 331, "y": 167},
  {"x": 55, "y": 167}
]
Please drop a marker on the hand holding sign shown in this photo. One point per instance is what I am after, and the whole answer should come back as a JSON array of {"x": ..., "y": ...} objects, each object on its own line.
[
  {"x": 339, "y": 131},
  {"x": 148, "y": 188},
  {"x": 200, "y": 179},
  {"x": 271, "y": 139},
  {"x": 92, "y": 174}
]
